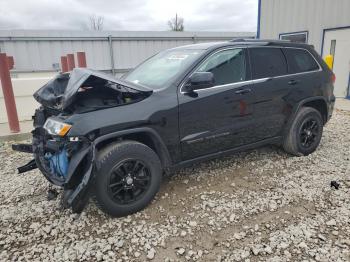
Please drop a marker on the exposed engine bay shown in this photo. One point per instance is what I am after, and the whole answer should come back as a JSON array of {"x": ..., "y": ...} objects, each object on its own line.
[
  {"x": 64, "y": 160},
  {"x": 83, "y": 90}
]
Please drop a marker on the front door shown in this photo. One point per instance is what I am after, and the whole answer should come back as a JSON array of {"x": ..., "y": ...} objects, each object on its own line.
[{"x": 217, "y": 118}]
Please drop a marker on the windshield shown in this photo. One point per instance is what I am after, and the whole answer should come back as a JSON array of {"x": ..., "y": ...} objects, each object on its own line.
[{"x": 163, "y": 67}]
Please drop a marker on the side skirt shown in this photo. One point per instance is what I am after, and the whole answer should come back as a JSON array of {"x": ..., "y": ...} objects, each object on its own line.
[{"x": 270, "y": 141}]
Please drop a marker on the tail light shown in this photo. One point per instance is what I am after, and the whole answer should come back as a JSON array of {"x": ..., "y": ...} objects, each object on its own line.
[{"x": 333, "y": 78}]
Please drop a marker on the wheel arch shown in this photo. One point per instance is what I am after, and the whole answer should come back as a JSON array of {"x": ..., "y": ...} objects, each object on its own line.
[
  {"x": 144, "y": 135},
  {"x": 319, "y": 103}
]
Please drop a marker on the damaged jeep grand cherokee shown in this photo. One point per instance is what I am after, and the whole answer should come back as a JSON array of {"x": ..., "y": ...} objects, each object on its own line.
[{"x": 113, "y": 139}]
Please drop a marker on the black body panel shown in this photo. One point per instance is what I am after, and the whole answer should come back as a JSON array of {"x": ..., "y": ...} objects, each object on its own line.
[{"x": 183, "y": 127}]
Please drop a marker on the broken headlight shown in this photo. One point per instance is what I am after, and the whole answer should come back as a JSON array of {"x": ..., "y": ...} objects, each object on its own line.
[{"x": 57, "y": 128}]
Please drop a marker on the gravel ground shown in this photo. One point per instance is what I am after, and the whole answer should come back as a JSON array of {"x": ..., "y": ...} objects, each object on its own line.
[{"x": 261, "y": 205}]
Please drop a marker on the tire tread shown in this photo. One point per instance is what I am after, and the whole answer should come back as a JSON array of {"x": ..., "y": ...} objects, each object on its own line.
[
  {"x": 104, "y": 157},
  {"x": 289, "y": 142}
]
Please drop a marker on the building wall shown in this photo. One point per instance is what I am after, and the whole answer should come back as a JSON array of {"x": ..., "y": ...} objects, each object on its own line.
[
  {"x": 38, "y": 50},
  {"x": 286, "y": 16},
  {"x": 35, "y": 52}
]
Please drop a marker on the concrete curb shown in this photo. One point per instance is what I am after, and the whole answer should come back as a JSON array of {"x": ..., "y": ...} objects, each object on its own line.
[{"x": 16, "y": 137}]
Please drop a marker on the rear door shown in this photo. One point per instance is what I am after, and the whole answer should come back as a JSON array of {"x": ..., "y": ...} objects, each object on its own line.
[
  {"x": 271, "y": 86},
  {"x": 306, "y": 74},
  {"x": 217, "y": 118}
]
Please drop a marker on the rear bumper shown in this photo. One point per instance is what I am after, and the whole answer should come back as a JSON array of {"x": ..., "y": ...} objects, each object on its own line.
[{"x": 331, "y": 107}]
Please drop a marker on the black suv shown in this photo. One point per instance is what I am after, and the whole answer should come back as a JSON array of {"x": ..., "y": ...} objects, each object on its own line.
[{"x": 113, "y": 139}]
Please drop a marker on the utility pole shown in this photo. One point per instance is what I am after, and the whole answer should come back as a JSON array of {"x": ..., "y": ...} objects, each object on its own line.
[{"x": 176, "y": 22}]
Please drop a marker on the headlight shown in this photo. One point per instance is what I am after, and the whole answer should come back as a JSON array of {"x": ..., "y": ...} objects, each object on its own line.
[{"x": 55, "y": 127}]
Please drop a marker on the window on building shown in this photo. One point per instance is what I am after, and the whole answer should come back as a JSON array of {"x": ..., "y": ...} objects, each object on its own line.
[
  {"x": 267, "y": 62},
  {"x": 228, "y": 66},
  {"x": 332, "y": 51},
  {"x": 300, "y": 60},
  {"x": 301, "y": 37}
]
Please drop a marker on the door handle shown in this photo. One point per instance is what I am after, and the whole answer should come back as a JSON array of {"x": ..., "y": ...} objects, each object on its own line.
[
  {"x": 293, "y": 82},
  {"x": 243, "y": 91}
]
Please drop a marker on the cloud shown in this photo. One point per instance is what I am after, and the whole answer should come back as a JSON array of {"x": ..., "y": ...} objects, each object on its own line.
[{"x": 203, "y": 15}]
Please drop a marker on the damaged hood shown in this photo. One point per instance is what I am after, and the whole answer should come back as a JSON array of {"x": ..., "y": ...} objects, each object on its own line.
[{"x": 60, "y": 92}]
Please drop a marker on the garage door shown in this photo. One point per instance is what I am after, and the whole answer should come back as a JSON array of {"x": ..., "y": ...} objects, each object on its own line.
[{"x": 337, "y": 43}]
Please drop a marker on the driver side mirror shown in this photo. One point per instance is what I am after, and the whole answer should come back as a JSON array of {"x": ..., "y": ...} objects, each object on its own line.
[{"x": 199, "y": 80}]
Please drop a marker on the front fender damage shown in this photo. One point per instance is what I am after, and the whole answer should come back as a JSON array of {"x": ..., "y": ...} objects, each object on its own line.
[
  {"x": 78, "y": 197},
  {"x": 76, "y": 183},
  {"x": 68, "y": 160}
]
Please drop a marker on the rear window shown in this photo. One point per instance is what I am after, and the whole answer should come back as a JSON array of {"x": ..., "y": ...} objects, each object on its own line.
[
  {"x": 267, "y": 62},
  {"x": 300, "y": 60}
]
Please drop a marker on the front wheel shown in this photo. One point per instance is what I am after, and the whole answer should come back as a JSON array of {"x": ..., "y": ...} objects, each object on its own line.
[
  {"x": 305, "y": 133},
  {"x": 127, "y": 178}
]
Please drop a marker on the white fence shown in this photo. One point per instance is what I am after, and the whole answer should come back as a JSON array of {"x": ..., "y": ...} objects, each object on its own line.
[{"x": 23, "y": 88}]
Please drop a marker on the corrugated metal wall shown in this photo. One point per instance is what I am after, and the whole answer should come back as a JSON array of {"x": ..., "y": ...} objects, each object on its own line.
[
  {"x": 35, "y": 50},
  {"x": 285, "y": 16}
]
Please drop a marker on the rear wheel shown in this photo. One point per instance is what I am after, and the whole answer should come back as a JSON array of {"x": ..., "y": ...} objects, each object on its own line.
[
  {"x": 305, "y": 133},
  {"x": 127, "y": 179}
]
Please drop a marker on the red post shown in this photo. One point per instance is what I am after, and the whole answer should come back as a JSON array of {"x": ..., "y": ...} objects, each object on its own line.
[
  {"x": 81, "y": 59},
  {"x": 7, "y": 90},
  {"x": 64, "y": 64},
  {"x": 70, "y": 61},
  {"x": 10, "y": 62}
]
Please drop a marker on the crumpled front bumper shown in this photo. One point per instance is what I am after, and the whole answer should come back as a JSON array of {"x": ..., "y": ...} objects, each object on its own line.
[{"x": 81, "y": 161}]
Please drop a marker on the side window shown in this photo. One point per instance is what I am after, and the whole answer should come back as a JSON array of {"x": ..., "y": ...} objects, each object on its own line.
[
  {"x": 300, "y": 60},
  {"x": 228, "y": 66},
  {"x": 267, "y": 62}
]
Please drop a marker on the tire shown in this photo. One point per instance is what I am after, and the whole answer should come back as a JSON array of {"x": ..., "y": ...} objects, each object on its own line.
[
  {"x": 127, "y": 177},
  {"x": 305, "y": 133}
]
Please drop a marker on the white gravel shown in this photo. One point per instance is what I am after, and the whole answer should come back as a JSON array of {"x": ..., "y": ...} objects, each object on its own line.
[{"x": 261, "y": 205}]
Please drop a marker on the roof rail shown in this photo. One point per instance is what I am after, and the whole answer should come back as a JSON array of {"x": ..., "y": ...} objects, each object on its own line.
[
  {"x": 240, "y": 39},
  {"x": 258, "y": 40},
  {"x": 237, "y": 40}
]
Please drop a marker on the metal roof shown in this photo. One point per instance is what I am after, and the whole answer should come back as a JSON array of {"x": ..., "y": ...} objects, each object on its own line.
[{"x": 81, "y": 35}]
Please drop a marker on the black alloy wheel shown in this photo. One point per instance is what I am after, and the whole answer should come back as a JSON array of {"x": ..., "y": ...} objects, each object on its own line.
[
  {"x": 129, "y": 180},
  {"x": 127, "y": 177},
  {"x": 309, "y": 132},
  {"x": 304, "y": 134}
]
